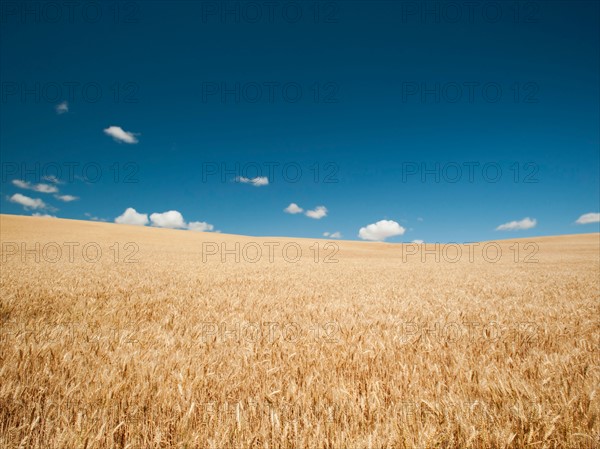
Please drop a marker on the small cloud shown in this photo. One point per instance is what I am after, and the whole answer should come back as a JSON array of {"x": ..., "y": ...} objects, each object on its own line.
[
  {"x": 66, "y": 198},
  {"x": 418, "y": 242},
  {"x": 42, "y": 188},
  {"x": 171, "y": 219},
  {"x": 419, "y": 218},
  {"x": 381, "y": 230},
  {"x": 335, "y": 235},
  {"x": 525, "y": 223},
  {"x": 317, "y": 213},
  {"x": 256, "y": 182},
  {"x": 120, "y": 135},
  {"x": 45, "y": 188},
  {"x": 21, "y": 184},
  {"x": 132, "y": 217},
  {"x": 293, "y": 208},
  {"x": 62, "y": 108},
  {"x": 94, "y": 218},
  {"x": 51, "y": 178},
  {"x": 37, "y": 214},
  {"x": 83, "y": 179},
  {"x": 200, "y": 226},
  {"x": 26, "y": 202},
  {"x": 592, "y": 217}
]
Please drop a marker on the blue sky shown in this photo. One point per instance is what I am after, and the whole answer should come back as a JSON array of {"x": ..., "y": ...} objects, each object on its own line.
[{"x": 377, "y": 103}]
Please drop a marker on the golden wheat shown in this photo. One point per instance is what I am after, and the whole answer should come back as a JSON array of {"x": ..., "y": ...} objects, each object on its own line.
[{"x": 130, "y": 337}]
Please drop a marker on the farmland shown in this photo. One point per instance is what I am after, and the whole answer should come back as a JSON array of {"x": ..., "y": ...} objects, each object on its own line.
[{"x": 137, "y": 337}]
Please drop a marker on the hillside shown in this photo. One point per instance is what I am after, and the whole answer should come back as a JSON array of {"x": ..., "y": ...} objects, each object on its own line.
[{"x": 124, "y": 336}]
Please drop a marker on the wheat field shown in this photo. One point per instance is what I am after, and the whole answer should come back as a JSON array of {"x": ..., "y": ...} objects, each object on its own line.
[{"x": 118, "y": 336}]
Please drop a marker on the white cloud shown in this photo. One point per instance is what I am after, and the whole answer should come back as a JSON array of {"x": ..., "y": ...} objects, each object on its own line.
[
  {"x": 335, "y": 235},
  {"x": 42, "y": 188},
  {"x": 93, "y": 217},
  {"x": 171, "y": 219},
  {"x": 200, "y": 226},
  {"x": 26, "y": 202},
  {"x": 256, "y": 182},
  {"x": 117, "y": 133},
  {"x": 62, "y": 108},
  {"x": 174, "y": 220},
  {"x": 419, "y": 218},
  {"x": 525, "y": 223},
  {"x": 317, "y": 213},
  {"x": 37, "y": 214},
  {"x": 418, "y": 242},
  {"x": 45, "y": 188},
  {"x": 53, "y": 179},
  {"x": 381, "y": 230},
  {"x": 592, "y": 217},
  {"x": 66, "y": 198},
  {"x": 293, "y": 208},
  {"x": 132, "y": 217},
  {"x": 22, "y": 184}
]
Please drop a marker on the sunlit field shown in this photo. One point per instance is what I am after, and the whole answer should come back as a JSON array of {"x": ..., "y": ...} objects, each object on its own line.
[{"x": 117, "y": 336}]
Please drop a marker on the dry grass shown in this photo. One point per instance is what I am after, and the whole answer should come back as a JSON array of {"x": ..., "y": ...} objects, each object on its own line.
[{"x": 368, "y": 352}]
